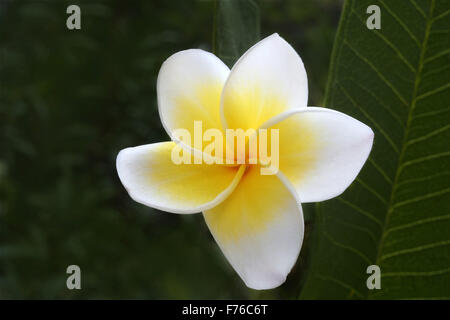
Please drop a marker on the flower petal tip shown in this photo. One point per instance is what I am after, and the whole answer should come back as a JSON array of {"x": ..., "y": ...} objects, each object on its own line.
[{"x": 271, "y": 282}]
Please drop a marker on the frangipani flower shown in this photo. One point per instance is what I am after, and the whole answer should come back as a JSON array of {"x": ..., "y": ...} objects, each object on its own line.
[{"x": 256, "y": 219}]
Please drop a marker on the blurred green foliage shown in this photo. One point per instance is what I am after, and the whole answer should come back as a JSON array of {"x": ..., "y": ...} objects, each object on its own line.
[{"x": 69, "y": 101}]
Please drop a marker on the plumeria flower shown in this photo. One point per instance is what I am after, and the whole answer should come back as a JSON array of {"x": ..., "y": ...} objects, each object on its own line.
[{"x": 256, "y": 219}]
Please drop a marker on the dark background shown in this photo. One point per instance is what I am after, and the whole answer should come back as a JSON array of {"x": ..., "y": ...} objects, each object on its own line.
[{"x": 69, "y": 102}]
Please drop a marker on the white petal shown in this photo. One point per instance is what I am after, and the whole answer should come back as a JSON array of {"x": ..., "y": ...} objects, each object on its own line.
[
  {"x": 151, "y": 178},
  {"x": 321, "y": 150},
  {"x": 268, "y": 79},
  {"x": 189, "y": 86},
  {"x": 259, "y": 228}
]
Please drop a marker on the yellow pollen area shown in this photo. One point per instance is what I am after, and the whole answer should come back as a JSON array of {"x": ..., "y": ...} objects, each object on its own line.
[
  {"x": 250, "y": 209},
  {"x": 254, "y": 204},
  {"x": 299, "y": 147},
  {"x": 249, "y": 106},
  {"x": 201, "y": 105},
  {"x": 169, "y": 180}
]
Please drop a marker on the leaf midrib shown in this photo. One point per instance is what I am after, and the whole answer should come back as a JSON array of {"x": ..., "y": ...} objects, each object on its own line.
[
  {"x": 400, "y": 163},
  {"x": 391, "y": 204}
]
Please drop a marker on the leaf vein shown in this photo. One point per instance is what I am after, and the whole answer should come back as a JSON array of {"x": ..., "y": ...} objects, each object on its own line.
[
  {"x": 371, "y": 190},
  {"x": 442, "y": 15},
  {"x": 348, "y": 248},
  {"x": 422, "y": 179},
  {"x": 438, "y": 55},
  {"x": 394, "y": 115},
  {"x": 402, "y": 24},
  {"x": 417, "y": 223},
  {"x": 356, "y": 227},
  {"x": 361, "y": 211},
  {"x": 341, "y": 283},
  {"x": 390, "y": 44},
  {"x": 379, "y": 74},
  {"x": 380, "y": 170},
  {"x": 415, "y": 249},
  {"x": 429, "y": 135},
  {"x": 419, "y": 9},
  {"x": 416, "y": 273},
  {"x": 423, "y": 159},
  {"x": 380, "y": 129},
  {"x": 431, "y": 92},
  {"x": 417, "y": 199},
  {"x": 430, "y": 113}
]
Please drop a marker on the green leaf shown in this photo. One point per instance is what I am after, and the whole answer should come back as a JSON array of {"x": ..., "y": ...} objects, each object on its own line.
[
  {"x": 397, "y": 213},
  {"x": 236, "y": 28}
]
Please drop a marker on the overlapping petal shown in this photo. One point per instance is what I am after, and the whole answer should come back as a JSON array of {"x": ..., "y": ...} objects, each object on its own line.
[
  {"x": 189, "y": 87},
  {"x": 321, "y": 150},
  {"x": 151, "y": 178},
  {"x": 268, "y": 79},
  {"x": 259, "y": 228}
]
